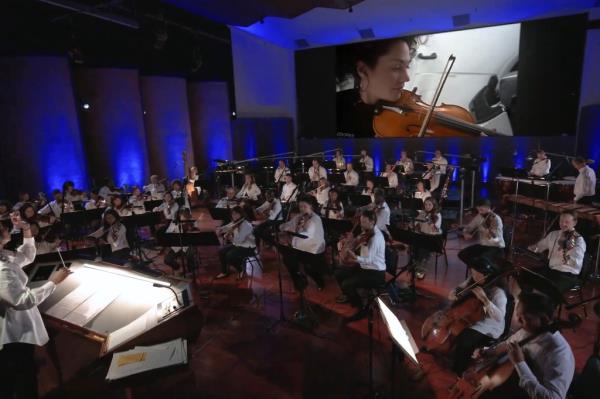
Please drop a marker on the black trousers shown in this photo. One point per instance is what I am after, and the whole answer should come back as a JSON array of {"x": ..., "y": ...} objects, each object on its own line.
[
  {"x": 314, "y": 266},
  {"x": 469, "y": 254},
  {"x": 464, "y": 345},
  {"x": 230, "y": 255},
  {"x": 351, "y": 279},
  {"x": 18, "y": 372}
]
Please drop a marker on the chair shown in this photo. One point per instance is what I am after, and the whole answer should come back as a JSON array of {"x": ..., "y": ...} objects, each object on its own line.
[
  {"x": 441, "y": 250},
  {"x": 575, "y": 294},
  {"x": 252, "y": 260}
]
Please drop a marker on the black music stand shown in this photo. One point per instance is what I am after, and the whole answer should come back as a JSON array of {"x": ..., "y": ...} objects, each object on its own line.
[
  {"x": 382, "y": 182},
  {"x": 189, "y": 239},
  {"x": 336, "y": 179},
  {"x": 150, "y": 205},
  {"x": 223, "y": 214},
  {"x": 359, "y": 200},
  {"x": 133, "y": 223}
]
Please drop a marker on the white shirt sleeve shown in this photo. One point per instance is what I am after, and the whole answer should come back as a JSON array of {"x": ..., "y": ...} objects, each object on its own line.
[
  {"x": 554, "y": 388},
  {"x": 17, "y": 295},
  {"x": 25, "y": 254}
]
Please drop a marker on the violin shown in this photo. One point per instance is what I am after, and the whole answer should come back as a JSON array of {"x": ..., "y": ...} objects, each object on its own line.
[
  {"x": 404, "y": 117},
  {"x": 351, "y": 244},
  {"x": 567, "y": 242}
]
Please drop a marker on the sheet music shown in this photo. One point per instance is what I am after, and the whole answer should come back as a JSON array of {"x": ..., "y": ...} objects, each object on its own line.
[
  {"x": 399, "y": 331},
  {"x": 75, "y": 298},
  {"x": 91, "y": 307}
]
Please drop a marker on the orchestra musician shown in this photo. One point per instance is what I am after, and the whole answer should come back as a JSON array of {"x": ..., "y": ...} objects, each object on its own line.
[
  {"x": 180, "y": 196},
  {"x": 366, "y": 161},
  {"x": 229, "y": 200},
  {"x": 28, "y": 213},
  {"x": 316, "y": 172},
  {"x": 44, "y": 243},
  {"x": 289, "y": 191},
  {"x": 23, "y": 198},
  {"x": 54, "y": 209},
  {"x": 437, "y": 167},
  {"x": 333, "y": 209},
  {"x": 491, "y": 292},
  {"x": 281, "y": 171},
  {"x": 350, "y": 176},
  {"x": 489, "y": 229},
  {"x": 272, "y": 210},
  {"x": 406, "y": 164},
  {"x": 585, "y": 184},
  {"x": 5, "y": 210},
  {"x": 95, "y": 201},
  {"x": 382, "y": 211},
  {"x": 541, "y": 165},
  {"x": 242, "y": 243},
  {"x": 21, "y": 325},
  {"x": 369, "y": 189},
  {"x": 421, "y": 192},
  {"x": 370, "y": 272},
  {"x": 308, "y": 250},
  {"x": 168, "y": 207},
  {"x": 544, "y": 364},
  {"x": 566, "y": 250},
  {"x": 41, "y": 200},
  {"x": 136, "y": 201},
  {"x": 392, "y": 177},
  {"x": 428, "y": 221},
  {"x": 339, "y": 161},
  {"x": 117, "y": 205},
  {"x": 192, "y": 180},
  {"x": 70, "y": 193},
  {"x": 321, "y": 193},
  {"x": 249, "y": 190},
  {"x": 114, "y": 233},
  {"x": 107, "y": 189},
  {"x": 156, "y": 188}
]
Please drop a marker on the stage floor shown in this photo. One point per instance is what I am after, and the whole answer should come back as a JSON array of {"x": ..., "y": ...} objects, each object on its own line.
[{"x": 242, "y": 352}]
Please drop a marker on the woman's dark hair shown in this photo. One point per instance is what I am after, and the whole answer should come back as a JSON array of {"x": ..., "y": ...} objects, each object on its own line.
[
  {"x": 369, "y": 214},
  {"x": 367, "y": 52},
  {"x": 6, "y": 204},
  {"x": 436, "y": 205},
  {"x": 114, "y": 198},
  {"x": 24, "y": 208},
  {"x": 338, "y": 200},
  {"x": 239, "y": 210},
  {"x": 536, "y": 304},
  {"x": 113, "y": 213}
]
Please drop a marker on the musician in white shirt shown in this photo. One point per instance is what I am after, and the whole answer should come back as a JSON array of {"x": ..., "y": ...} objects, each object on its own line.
[
  {"x": 541, "y": 165},
  {"x": 406, "y": 163},
  {"x": 136, "y": 201},
  {"x": 70, "y": 193},
  {"x": 193, "y": 178},
  {"x": 369, "y": 189},
  {"x": 391, "y": 176},
  {"x": 42, "y": 243},
  {"x": 367, "y": 161},
  {"x": 55, "y": 208},
  {"x": 438, "y": 167},
  {"x": 289, "y": 191},
  {"x": 350, "y": 176},
  {"x": 273, "y": 211},
  {"x": 249, "y": 190},
  {"x": 107, "y": 189},
  {"x": 21, "y": 325},
  {"x": 23, "y": 198},
  {"x": 585, "y": 185},
  {"x": 339, "y": 161},
  {"x": 281, "y": 171},
  {"x": 489, "y": 229},
  {"x": 117, "y": 205},
  {"x": 115, "y": 234},
  {"x": 429, "y": 223},
  {"x": 168, "y": 207},
  {"x": 566, "y": 251},
  {"x": 421, "y": 193},
  {"x": 155, "y": 188},
  {"x": 308, "y": 250},
  {"x": 382, "y": 211},
  {"x": 179, "y": 195},
  {"x": 229, "y": 200},
  {"x": 321, "y": 193},
  {"x": 243, "y": 244},
  {"x": 370, "y": 269},
  {"x": 333, "y": 208},
  {"x": 316, "y": 172},
  {"x": 95, "y": 201}
]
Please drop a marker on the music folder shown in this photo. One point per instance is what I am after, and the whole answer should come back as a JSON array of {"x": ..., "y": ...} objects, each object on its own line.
[{"x": 399, "y": 332}]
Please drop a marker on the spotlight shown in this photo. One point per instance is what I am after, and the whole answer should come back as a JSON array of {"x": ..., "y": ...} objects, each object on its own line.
[
  {"x": 233, "y": 114},
  {"x": 85, "y": 106},
  {"x": 145, "y": 112}
]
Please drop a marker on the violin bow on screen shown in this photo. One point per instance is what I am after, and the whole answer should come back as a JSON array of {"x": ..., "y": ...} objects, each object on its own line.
[{"x": 436, "y": 96}]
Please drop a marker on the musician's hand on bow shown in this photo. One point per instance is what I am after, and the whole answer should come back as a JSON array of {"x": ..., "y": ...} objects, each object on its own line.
[
  {"x": 532, "y": 248},
  {"x": 452, "y": 295},
  {"x": 480, "y": 294},
  {"x": 515, "y": 353}
]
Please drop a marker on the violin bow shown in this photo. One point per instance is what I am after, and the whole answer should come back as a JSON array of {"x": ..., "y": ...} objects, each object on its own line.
[{"x": 436, "y": 96}]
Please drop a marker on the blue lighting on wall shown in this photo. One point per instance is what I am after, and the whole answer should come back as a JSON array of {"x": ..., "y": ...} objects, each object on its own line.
[{"x": 128, "y": 160}]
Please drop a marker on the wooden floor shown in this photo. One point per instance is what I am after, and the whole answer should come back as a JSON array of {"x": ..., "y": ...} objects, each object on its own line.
[{"x": 243, "y": 352}]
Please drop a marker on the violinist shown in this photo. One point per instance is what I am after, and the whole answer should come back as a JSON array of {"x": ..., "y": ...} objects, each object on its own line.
[
  {"x": 421, "y": 192},
  {"x": 585, "y": 184},
  {"x": 23, "y": 198},
  {"x": 543, "y": 360},
  {"x": 114, "y": 233},
  {"x": 289, "y": 191},
  {"x": 566, "y": 250},
  {"x": 136, "y": 201},
  {"x": 366, "y": 161},
  {"x": 179, "y": 195},
  {"x": 70, "y": 193},
  {"x": 107, "y": 189},
  {"x": 392, "y": 177},
  {"x": 308, "y": 250},
  {"x": 488, "y": 226},
  {"x": 339, "y": 161},
  {"x": 378, "y": 71},
  {"x": 429, "y": 222},
  {"x": 316, "y": 172},
  {"x": 117, "y": 205},
  {"x": 381, "y": 210},
  {"x": 168, "y": 207},
  {"x": 95, "y": 201},
  {"x": 541, "y": 165},
  {"x": 28, "y": 213},
  {"x": 350, "y": 176},
  {"x": 370, "y": 259},
  {"x": 369, "y": 189},
  {"x": 491, "y": 292},
  {"x": 249, "y": 190},
  {"x": 156, "y": 188},
  {"x": 41, "y": 200},
  {"x": 437, "y": 168},
  {"x": 229, "y": 200},
  {"x": 333, "y": 209},
  {"x": 44, "y": 243},
  {"x": 272, "y": 209},
  {"x": 55, "y": 208},
  {"x": 242, "y": 243},
  {"x": 321, "y": 193},
  {"x": 281, "y": 171},
  {"x": 406, "y": 164}
]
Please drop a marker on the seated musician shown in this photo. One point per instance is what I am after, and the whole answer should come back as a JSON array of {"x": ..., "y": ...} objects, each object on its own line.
[
  {"x": 428, "y": 221},
  {"x": 308, "y": 250},
  {"x": 117, "y": 205},
  {"x": 381, "y": 210},
  {"x": 391, "y": 176},
  {"x": 179, "y": 194},
  {"x": 136, "y": 201},
  {"x": 44, "y": 243},
  {"x": 168, "y": 207},
  {"x": 95, "y": 201},
  {"x": 544, "y": 365},
  {"x": 5, "y": 210},
  {"x": 242, "y": 243},
  {"x": 333, "y": 208},
  {"x": 281, "y": 171},
  {"x": 541, "y": 165},
  {"x": 107, "y": 189},
  {"x": 54, "y": 209},
  {"x": 71, "y": 194},
  {"x": 184, "y": 224},
  {"x": 321, "y": 193},
  {"x": 156, "y": 188},
  {"x": 193, "y": 179},
  {"x": 585, "y": 184},
  {"x": 366, "y": 161},
  {"x": 271, "y": 209},
  {"x": 316, "y": 172},
  {"x": 115, "y": 234},
  {"x": 566, "y": 250},
  {"x": 406, "y": 164},
  {"x": 438, "y": 167},
  {"x": 493, "y": 298},
  {"x": 289, "y": 191},
  {"x": 28, "y": 213},
  {"x": 369, "y": 189},
  {"x": 421, "y": 192},
  {"x": 339, "y": 161},
  {"x": 488, "y": 226},
  {"x": 370, "y": 272},
  {"x": 249, "y": 190},
  {"x": 351, "y": 176},
  {"x": 229, "y": 200},
  {"x": 23, "y": 198}
]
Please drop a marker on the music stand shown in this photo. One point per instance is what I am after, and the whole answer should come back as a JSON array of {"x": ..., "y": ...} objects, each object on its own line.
[
  {"x": 220, "y": 214},
  {"x": 359, "y": 200},
  {"x": 135, "y": 221},
  {"x": 150, "y": 205},
  {"x": 189, "y": 239},
  {"x": 382, "y": 182},
  {"x": 336, "y": 179}
]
